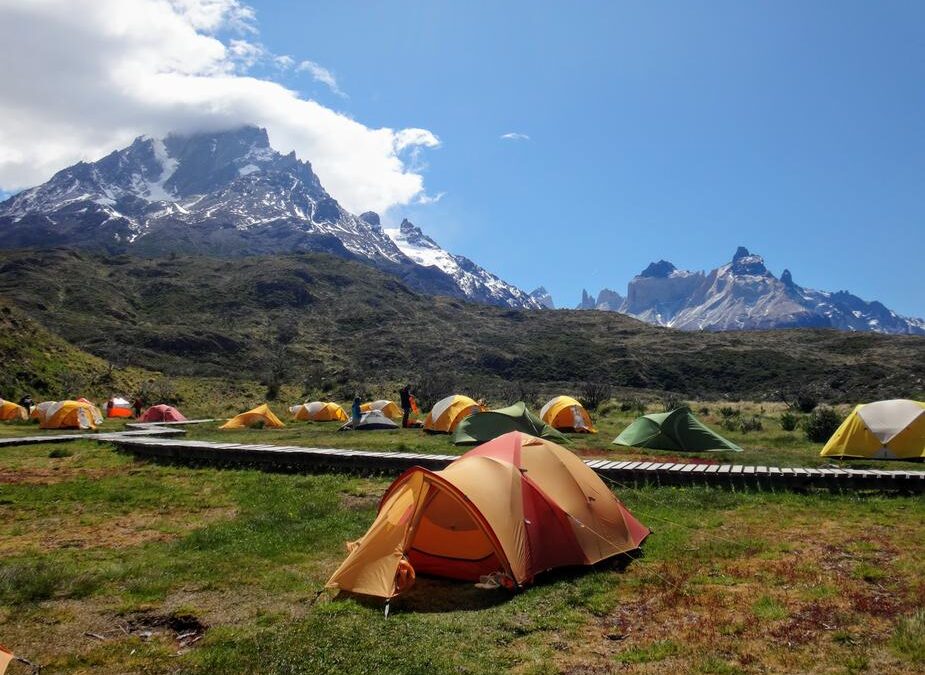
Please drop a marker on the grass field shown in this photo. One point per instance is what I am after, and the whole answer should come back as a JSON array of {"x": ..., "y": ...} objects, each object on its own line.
[{"x": 108, "y": 565}]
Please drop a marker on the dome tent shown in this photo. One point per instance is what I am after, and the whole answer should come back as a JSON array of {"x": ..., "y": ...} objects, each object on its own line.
[
  {"x": 387, "y": 408},
  {"x": 484, "y": 426},
  {"x": 881, "y": 430},
  {"x": 677, "y": 430},
  {"x": 10, "y": 411},
  {"x": 567, "y": 414},
  {"x": 318, "y": 411},
  {"x": 518, "y": 505},
  {"x": 67, "y": 415},
  {"x": 373, "y": 420},
  {"x": 162, "y": 413},
  {"x": 261, "y": 415},
  {"x": 120, "y": 408},
  {"x": 448, "y": 412}
]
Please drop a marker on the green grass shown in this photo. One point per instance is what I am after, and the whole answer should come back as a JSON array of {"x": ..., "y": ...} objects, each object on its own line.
[{"x": 96, "y": 540}]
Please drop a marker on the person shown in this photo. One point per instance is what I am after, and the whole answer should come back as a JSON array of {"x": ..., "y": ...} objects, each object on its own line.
[
  {"x": 109, "y": 404},
  {"x": 357, "y": 414},
  {"x": 27, "y": 403},
  {"x": 136, "y": 406},
  {"x": 405, "y": 395}
]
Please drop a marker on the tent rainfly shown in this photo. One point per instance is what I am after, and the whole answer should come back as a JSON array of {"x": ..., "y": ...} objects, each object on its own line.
[
  {"x": 677, "y": 430},
  {"x": 387, "y": 408},
  {"x": 261, "y": 415},
  {"x": 514, "y": 507},
  {"x": 318, "y": 411},
  {"x": 373, "y": 420},
  {"x": 484, "y": 426},
  {"x": 448, "y": 412},
  {"x": 162, "y": 413},
  {"x": 10, "y": 411},
  {"x": 567, "y": 414},
  {"x": 881, "y": 430}
]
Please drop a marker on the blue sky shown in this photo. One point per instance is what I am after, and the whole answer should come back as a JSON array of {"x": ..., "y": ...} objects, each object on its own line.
[{"x": 656, "y": 130}]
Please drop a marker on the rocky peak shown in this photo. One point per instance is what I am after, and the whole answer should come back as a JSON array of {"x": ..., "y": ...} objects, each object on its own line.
[
  {"x": 542, "y": 296},
  {"x": 371, "y": 218},
  {"x": 787, "y": 279},
  {"x": 587, "y": 302},
  {"x": 744, "y": 262},
  {"x": 661, "y": 269}
]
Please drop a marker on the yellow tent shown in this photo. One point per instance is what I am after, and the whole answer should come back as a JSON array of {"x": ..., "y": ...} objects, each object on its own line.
[
  {"x": 450, "y": 411},
  {"x": 516, "y": 506},
  {"x": 882, "y": 430},
  {"x": 67, "y": 415},
  {"x": 318, "y": 411},
  {"x": 10, "y": 411},
  {"x": 387, "y": 408},
  {"x": 566, "y": 414},
  {"x": 260, "y": 414}
]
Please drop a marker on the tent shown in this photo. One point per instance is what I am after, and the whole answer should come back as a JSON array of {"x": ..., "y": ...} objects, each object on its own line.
[
  {"x": 387, "y": 408},
  {"x": 567, "y": 414},
  {"x": 10, "y": 411},
  {"x": 318, "y": 411},
  {"x": 120, "y": 408},
  {"x": 162, "y": 413},
  {"x": 516, "y": 506},
  {"x": 67, "y": 415},
  {"x": 371, "y": 421},
  {"x": 677, "y": 430},
  {"x": 259, "y": 415},
  {"x": 448, "y": 412},
  {"x": 484, "y": 426},
  {"x": 882, "y": 430}
]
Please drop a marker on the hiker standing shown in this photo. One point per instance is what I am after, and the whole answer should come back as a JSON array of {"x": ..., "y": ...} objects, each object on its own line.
[
  {"x": 357, "y": 414},
  {"x": 109, "y": 405},
  {"x": 136, "y": 406},
  {"x": 27, "y": 403},
  {"x": 405, "y": 394}
]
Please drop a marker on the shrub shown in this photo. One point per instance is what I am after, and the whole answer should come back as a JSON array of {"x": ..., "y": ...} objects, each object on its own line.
[
  {"x": 908, "y": 638},
  {"x": 752, "y": 423},
  {"x": 704, "y": 411},
  {"x": 60, "y": 452},
  {"x": 728, "y": 411},
  {"x": 636, "y": 405},
  {"x": 821, "y": 424},
  {"x": 730, "y": 424},
  {"x": 673, "y": 402},
  {"x": 592, "y": 394},
  {"x": 789, "y": 421}
]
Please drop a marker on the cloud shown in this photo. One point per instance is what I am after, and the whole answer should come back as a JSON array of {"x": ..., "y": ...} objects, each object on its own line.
[
  {"x": 514, "y": 136},
  {"x": 425, "y": 199},
  {"x": 321, "y": 74},
  {"x": 83, "y": 77}
]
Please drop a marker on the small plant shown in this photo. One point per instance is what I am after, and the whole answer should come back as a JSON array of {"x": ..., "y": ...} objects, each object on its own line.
[
  {"x": 821, "y": 424},
  {"x": 57, "y": 453},
  {"x": 635, "y": 404},
  {"x": 593, "y": 394},
  {"x": 753, "y": 423},
  {"x": 789, "y": 421},
  {"x": 727, "y": 412},
  {"x": 908, "y": 639},
  {"x": 673, "y": 402},
  {"x": 704, "y": 411},
  {"x": 805, "y": 400}
]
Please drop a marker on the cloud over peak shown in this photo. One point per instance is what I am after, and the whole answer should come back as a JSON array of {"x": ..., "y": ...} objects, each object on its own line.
[
  {"x": 111, "y": 70},
  {"x": 514, "y": 136}
]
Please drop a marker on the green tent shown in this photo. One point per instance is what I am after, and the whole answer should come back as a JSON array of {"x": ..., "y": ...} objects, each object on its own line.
[
  {"x": 677, "y": 430},
  {"x": 484, "y": 426}
]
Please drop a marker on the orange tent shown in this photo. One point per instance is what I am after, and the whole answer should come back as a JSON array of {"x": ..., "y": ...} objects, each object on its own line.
[
  {"x": 11, "y": 411},
  {"x": 517, "y": 505},
  {"x": 387, "y": 408},
  {"x": 67, "y": 415},
  {"x": 259, "y": 415}
]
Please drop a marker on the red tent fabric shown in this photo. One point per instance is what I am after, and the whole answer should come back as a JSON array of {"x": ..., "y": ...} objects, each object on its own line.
[{"x": 162, "y": 413}]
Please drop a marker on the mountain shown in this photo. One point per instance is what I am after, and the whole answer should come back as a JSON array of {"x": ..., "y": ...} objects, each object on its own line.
[
  {"x": 219, "y": 193},
  {"x": 477, "y": 283},
  {"x": 744, "y": 295},
  {"x": 607, "y": 300},
  {"x": 343, "y": 326},
  {"x": 542, "y": 296}
]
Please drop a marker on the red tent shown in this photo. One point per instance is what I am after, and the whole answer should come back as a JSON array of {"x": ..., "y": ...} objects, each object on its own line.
[{"x": 162, "y": 413}]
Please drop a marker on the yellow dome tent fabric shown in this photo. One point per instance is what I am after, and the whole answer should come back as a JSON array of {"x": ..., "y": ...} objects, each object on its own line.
[
  {"x": 387, "y": 408},
  {"x": 882, "y": 430},
  {"x": 10, "y": 411},
  {"x": 68, "y": 415},
  {"x": 449, "y": 412},
  {"x": 318, "y": 411},
  {"x": 564, "y": 413},
  {"x": 260, "y": 414}
]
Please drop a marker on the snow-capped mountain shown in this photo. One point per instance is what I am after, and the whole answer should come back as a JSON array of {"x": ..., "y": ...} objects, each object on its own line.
[
  {"x": 542, "y": 296},
  {"x": 476, "y": 282},
  {"x": 226, "y": 193},
  {"x": 743, "y": 294}
]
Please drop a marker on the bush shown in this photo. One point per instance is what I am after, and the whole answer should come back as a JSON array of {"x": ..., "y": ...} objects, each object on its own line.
[
  {"x": 636, "y": 405},
  {"x": 592, "y": 394},
  {"x": 728, "y": 412},
  {"x": 789, "y": 421},
  {"x": 753, "y": 423},
  {"x": 704, "y": 411},
  {"x": 673, "y": 402},
  {"x": 908, "y": 639},
  {"x": 57, "y": 453},
  {"x": 821, "y": 424}
]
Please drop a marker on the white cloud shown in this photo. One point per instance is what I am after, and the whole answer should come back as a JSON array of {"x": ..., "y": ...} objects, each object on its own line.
[
  {"x": 83, "y": 77},
  {"x": 321, "y": 74},
  {"x": 514, "y": 136},
  {"x": 425, "y": 199}
]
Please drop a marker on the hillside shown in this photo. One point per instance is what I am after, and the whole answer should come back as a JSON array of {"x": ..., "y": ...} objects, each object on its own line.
[{"x": 333, "y": 323}]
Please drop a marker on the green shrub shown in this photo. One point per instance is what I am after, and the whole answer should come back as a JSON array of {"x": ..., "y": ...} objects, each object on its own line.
[
  {"x": 593, "y": 394},
  {"x": 636, "y": 405},
  {"x": 821, "y": 424},
  {"x": 704, "y": 411},
  {"x": 752, "y": 423},
  {"x": 789, "y": 421},
  {"x": 673, "y": 402},
  {"x": 908, "y": 638},
  {"x": 57, "y": 453},
  {"x": 726, "y": 412}
]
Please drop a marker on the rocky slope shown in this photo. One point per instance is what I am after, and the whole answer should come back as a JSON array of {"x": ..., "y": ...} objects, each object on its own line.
[
  {"x": 220, "y": 193},
  {"x": 744, "y": 295}
]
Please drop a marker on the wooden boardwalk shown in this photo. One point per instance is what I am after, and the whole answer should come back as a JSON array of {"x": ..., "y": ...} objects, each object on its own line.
[
  {"x": 158, "y": 441},
  {"x": 732, "y": 476}
]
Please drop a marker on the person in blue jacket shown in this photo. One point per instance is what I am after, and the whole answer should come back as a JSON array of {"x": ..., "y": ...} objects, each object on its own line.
[{"x": 357, "y": 414}]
